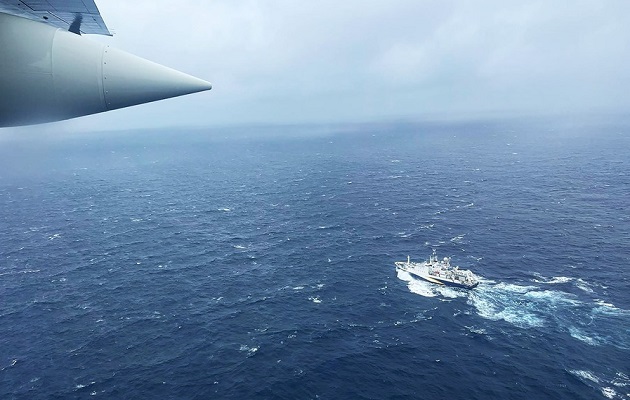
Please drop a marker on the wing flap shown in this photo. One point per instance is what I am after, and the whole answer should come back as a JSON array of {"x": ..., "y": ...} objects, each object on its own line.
[{"x": 59, "y": 13}]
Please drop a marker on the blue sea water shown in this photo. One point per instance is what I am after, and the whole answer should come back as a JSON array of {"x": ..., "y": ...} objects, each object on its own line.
[{"x": 259, "y": 262}]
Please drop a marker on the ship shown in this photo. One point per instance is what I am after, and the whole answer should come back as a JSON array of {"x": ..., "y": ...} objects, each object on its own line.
[{"x": 439, "y": 272}]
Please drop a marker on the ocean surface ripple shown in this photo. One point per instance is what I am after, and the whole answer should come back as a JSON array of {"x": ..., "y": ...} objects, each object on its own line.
[{"x": 260, "y": 263}]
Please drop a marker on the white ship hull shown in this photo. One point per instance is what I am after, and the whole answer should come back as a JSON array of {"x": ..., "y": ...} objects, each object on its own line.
[{"x": 439, "y": 273}]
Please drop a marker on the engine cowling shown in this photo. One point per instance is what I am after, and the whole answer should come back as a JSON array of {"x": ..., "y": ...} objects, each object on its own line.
[{"x": 49, "y": 74}]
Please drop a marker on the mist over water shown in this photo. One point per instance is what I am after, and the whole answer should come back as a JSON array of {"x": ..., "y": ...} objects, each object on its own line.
[{"x": 260, "y": 263}]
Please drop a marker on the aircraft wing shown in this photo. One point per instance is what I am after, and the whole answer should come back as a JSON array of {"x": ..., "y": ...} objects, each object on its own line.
[
  {"x": 49, "y": 72},
  {"x": 83, "y": 14}
]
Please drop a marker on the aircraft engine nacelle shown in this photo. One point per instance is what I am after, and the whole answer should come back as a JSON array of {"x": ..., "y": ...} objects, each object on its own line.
[{"x": 49, "y": 74}]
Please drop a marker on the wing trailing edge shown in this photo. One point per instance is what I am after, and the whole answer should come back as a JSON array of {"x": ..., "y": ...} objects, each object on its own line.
[{"x": 62, "y": 14}]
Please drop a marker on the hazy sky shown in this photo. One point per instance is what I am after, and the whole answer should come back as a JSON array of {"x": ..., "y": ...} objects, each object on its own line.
[{"x": 285, "y": 61}]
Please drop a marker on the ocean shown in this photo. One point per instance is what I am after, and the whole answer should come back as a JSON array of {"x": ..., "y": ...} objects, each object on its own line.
[{"x": 258, "y": 262}]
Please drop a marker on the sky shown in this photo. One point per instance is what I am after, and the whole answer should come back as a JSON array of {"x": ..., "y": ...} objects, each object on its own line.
[{"x": 287, "y": 61}]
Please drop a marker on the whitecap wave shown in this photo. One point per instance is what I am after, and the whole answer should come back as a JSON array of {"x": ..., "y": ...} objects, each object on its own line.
[
  {"x": 475, "y": 330},
  {"x": 555, "y": 279},
  {"x": 24, "y": 271},
  {"x": 621, "y": 380},
  {"x": 603, "y": 303},
  {"x": 580, "y": 335},
  {"x": 588, "y": 375},
  {"x": 13, "y": 362},
  {"x": 609, "y": 392},
  {"x": 603, "y": 383},
  {"x": 583, "y": 285},
  {"x": 249, "y": 350},
  {"x": 81, "y": 386},
  {"x": 458, "y": 238},
  {"x": 577, "y": 282}
]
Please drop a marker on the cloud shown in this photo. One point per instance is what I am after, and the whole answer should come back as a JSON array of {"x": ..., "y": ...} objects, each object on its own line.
[{"x": 286, "y": 61}]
